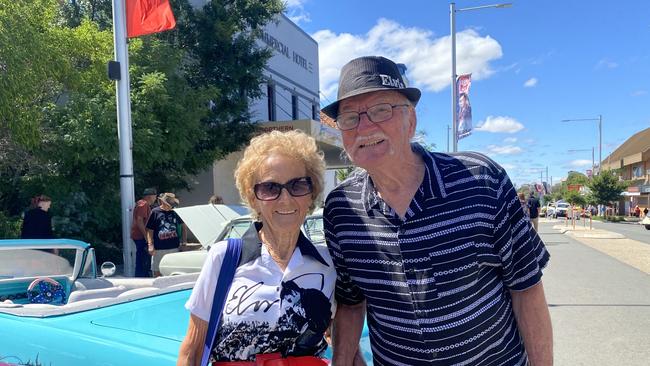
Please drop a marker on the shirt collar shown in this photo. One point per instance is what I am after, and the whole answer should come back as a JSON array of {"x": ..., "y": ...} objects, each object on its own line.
[
  {"x": 252, "y": 245},
  {"x": 432, "y": 184}
]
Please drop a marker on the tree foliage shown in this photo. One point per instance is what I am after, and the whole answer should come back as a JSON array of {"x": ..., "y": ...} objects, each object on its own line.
[
  {"x": 190, "y": 91},
  {"x": 606, "y": 187}
]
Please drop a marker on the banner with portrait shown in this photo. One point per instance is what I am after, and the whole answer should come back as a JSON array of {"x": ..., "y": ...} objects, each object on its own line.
[{"x": 463, "y": 107}]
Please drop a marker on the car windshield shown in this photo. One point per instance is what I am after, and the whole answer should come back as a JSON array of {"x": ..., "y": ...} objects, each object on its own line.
[
  {"x": 563, "y": 205},
  {"x": 314, "y": 229},
  {"x": 36, "y": 262},
  {"x": 237, "y": 229}
]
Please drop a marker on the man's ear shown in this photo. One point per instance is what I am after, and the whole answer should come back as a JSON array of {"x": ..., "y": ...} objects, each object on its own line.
[{"x": 413, "y": 122}]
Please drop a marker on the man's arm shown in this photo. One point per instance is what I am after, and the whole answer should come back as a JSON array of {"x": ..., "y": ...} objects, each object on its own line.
[
  {"x": 534, "y": 323},
  {"x": 348, "y": 325},
  {"x": 139, "y": 223},
  {"x": 150, "y": 242}
]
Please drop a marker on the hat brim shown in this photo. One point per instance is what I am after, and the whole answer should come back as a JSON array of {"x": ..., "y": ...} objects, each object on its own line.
[{"x": 413, "y": 94}]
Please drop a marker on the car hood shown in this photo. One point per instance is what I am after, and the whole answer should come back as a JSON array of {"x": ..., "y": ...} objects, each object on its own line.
[{"x": 208, "y": 221}]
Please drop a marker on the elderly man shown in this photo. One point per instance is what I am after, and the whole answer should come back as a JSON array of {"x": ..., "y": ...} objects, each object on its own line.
[{"x": 435, "y": 247}]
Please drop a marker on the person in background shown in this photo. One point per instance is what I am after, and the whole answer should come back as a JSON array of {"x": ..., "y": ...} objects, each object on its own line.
[
  {"x": 37, "y": 223},
  {"x": 163, "y": 228},
  {"x": 216, "y": 200},
  {"x": 522, "y": 201},
  {"x": 141, "y": 214},
  {"x": 533, "y": 210},
  {"x": 434, "y": 247},
  {"x": 281, "y": 299},
  {"x": 645, "y": 212}
]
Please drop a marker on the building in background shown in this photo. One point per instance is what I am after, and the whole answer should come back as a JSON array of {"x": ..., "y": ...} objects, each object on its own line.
[
  {"x": 632, "y": 158},
  {"x": 291, "y": 101}
]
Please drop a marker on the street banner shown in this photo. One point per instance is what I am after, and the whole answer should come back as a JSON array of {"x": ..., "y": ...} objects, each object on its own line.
[
  {"x": 148, "y": 16},
  {"x": 464, "y": 108}
]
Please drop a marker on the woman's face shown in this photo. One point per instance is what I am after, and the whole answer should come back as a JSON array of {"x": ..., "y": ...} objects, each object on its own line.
[
  {"x": 286, "y": 213},
  {"x": 45, "y": 205}
]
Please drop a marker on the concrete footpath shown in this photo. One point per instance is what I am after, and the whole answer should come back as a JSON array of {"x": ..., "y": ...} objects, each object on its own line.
[{"x": 598, "y": 289}]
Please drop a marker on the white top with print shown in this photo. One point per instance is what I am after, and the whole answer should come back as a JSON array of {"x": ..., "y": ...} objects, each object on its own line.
[{"x": 268, "y": 310}]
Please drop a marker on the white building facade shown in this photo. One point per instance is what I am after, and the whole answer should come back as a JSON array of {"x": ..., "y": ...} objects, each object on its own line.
[{"x": 291, "y": 101}]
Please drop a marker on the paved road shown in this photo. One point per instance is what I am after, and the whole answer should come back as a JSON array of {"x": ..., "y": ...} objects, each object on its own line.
[{"x": 600, "y": 307}]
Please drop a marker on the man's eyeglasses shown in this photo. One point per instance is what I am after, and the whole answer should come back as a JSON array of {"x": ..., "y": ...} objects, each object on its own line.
[
  {"x": 297, "y": 187},
  {"x": 376, "y": 114}
]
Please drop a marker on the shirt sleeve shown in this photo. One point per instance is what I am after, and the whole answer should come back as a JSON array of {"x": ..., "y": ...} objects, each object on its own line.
[
  {"x": 522, "y": 252},
  {"x": 151, "y": 221},
  {"x": 200, "y": 301},
  {"x": 346, "y": 291}
]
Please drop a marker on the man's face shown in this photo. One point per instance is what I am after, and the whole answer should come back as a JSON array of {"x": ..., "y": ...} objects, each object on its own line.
[
  {"x": 371, "y": 145},
  {"x": 151, "y": 198}
]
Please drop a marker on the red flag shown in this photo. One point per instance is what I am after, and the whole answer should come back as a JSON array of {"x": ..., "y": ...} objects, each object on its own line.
[{"x": 148, "y": 16}]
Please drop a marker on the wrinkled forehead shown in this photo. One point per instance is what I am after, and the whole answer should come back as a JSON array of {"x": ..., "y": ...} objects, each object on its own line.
[{"x": 364, "y": 101}]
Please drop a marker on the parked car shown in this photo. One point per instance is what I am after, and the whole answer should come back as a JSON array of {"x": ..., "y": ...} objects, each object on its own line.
[
  {"x": 222, "y": 228},
  {"x": 561, "y": 209},
  {"x": 56, "y": 310}
]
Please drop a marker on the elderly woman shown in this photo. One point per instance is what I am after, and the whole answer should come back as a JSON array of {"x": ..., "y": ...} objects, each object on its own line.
[{"x": 281, "y": 299}]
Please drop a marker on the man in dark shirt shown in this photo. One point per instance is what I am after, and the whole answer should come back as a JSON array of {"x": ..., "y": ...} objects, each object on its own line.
[
  {"x": 435, "y": 247},
  {"x": 163, "y": 229},
  {"x": 37, "y": 223},
  {"x": 533, "y": 210}
]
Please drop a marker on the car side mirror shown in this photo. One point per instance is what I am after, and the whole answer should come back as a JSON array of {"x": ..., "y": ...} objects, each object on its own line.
[{"x": 108, "y": 269}]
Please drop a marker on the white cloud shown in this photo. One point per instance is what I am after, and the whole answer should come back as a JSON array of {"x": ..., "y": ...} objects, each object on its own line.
[
  {"x": 426, "y": 56},
  {"x": 504, "y": 150},
  {"x": 638, "y": 93},
  {"x": 295, "y": 11},
  {"x": 605, "y": 63},
  {"x": 500, "y": 124},
  {"x": 530, "y": 83},
  {"x": 580, "y": 163},
  {"x": 510, "y": 140}
]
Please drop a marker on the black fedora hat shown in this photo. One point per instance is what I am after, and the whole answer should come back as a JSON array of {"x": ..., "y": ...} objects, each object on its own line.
[{"x": 369, "y": 74}]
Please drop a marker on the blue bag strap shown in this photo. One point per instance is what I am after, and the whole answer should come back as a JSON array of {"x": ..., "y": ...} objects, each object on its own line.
[{"x": 226, "y": 275}]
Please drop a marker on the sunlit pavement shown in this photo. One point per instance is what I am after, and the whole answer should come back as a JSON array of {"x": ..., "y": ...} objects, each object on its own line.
[{"x": 600, "y": 305}]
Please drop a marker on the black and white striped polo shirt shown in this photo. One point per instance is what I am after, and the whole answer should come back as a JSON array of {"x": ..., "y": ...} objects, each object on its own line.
[{"x": 437, "y": 283}]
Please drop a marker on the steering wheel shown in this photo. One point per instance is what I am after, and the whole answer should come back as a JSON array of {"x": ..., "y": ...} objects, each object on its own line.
[{"x": 45, "y": 290}]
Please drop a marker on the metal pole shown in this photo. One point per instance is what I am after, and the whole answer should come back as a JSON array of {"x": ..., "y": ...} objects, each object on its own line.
[
  {"x": 593, "y": 164},
  {"x": 123, "y": 100},
  {"x": 452, "y": 21},
  {"x": 600, "y": 142}
]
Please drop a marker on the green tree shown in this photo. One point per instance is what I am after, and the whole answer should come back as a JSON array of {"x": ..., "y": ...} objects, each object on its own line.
[
  {"x": 575, "y": 198},
  {"x": 60, "y": 129},
  {"x": 606, "y": 187}
]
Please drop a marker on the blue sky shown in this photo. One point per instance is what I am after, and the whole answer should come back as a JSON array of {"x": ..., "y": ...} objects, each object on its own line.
[{"x": 533, "y": 65}]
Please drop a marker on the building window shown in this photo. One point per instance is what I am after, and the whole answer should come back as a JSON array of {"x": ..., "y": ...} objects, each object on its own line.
[
  {"x": 270, "y": 93},
  {"x": 314, "y": 112},
  {"x": 294, "y": 107},
  {"x": 637, "y": 171}
]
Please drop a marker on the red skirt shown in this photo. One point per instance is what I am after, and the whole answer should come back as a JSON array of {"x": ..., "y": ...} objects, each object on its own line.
[{"x": 276, "y": 359}]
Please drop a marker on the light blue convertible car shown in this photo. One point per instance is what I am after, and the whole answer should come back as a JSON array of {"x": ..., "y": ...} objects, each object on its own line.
[{"x": 56, "y": 311}]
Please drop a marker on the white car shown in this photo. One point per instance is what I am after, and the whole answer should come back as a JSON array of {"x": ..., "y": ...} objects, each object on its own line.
[
  {"x": 561, "y": 209},
  {"x": 214, "y": 223}
]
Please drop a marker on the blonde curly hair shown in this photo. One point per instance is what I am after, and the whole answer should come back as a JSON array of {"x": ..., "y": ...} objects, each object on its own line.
[{"x": 293, "y": 144}]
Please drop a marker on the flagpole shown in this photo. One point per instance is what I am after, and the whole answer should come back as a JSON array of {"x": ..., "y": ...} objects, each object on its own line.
[{"x": 123, "y": 99}]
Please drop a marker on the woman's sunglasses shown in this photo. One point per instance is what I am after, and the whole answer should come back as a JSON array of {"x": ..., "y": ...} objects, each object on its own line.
[{"x": 297, "y": 187}]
